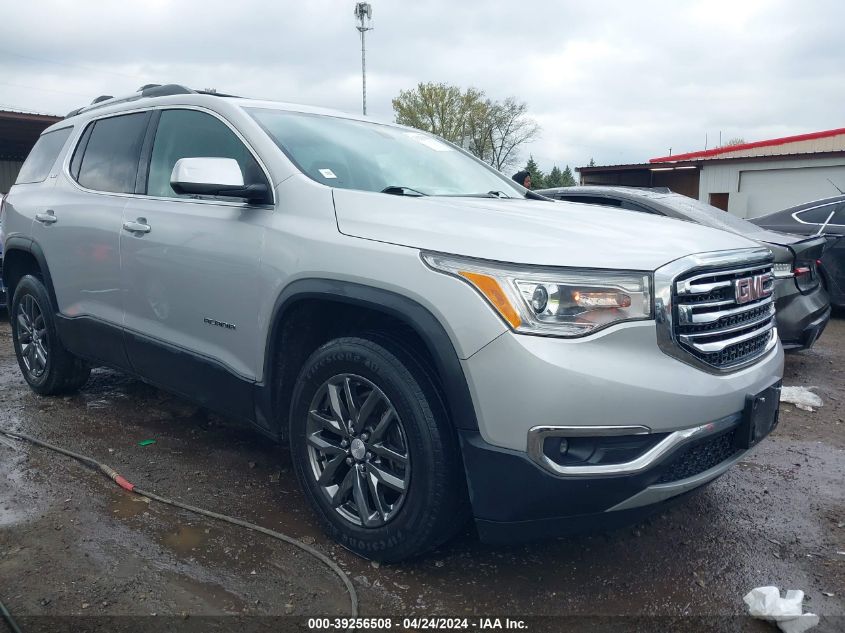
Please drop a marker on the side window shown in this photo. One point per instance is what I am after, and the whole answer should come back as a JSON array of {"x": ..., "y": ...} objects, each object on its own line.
[
  {"x": 40, "y": 161},
  {"x": 818, "y": 215},
  {"x": 608, "y": 202},
  {"x": 193, "y": 134},
  {"x": 633, "y": 206},
  {"x": 839, "y": 216},
  {"x": 76, "y": 160},
  {"x": 110, "y": 158}
]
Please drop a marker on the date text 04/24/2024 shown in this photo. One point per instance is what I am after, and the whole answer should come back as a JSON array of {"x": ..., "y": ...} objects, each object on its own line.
[{"x": 417, "y": 623}]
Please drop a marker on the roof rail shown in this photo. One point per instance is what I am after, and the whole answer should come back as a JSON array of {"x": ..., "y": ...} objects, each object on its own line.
[
  {"x": 157, "y": 90},
  {"x": 144, "y": 92}
]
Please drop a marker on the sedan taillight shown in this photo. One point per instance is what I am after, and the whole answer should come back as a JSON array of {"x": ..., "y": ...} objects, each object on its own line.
[{"x": 806, "y": 275}]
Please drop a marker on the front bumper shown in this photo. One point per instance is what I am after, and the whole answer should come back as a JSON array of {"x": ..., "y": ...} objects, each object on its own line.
[
  {"x": 619, "y": 377},
  {"x": 514, "y": 499},
  {"x": 801, "y": 318}
]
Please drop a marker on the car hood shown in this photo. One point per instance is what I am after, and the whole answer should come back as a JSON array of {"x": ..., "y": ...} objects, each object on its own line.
[{"x": 527, "y": 231}]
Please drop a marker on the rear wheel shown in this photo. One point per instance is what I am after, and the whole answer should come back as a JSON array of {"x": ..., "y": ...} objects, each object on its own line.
[
  {"x": 47, "y": 367},
  {"x": 373, "y": 450}
]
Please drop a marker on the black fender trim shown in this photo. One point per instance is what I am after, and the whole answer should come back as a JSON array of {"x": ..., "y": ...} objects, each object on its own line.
[
  {"x": 28, "y": 245},
  {"x": 423, "y": 322}
]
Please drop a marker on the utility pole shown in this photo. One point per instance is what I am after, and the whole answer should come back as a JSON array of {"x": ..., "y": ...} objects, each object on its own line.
[{"x": 363, "y": 17}]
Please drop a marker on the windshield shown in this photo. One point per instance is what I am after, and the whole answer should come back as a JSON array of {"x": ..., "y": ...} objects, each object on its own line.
[{"x": 368, "y": 156}]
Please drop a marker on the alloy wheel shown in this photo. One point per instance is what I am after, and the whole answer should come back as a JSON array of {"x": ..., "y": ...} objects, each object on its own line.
[
  {"x": 32, "y": 336},
  {"x": 358, "y": 450}
]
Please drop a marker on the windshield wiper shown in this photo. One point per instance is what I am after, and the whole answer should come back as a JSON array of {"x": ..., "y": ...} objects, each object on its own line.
[
  {"x": 489, "y": 194},
  {"x": 399, "y": 190}
]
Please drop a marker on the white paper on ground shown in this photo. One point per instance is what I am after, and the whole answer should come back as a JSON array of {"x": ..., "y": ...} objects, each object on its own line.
[
  {"x": 765, "y": 603},
  {"x": 801, "y": 397}
]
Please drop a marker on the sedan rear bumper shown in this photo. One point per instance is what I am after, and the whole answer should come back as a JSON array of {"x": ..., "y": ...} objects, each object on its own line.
[{"x": 801, "y": 318}]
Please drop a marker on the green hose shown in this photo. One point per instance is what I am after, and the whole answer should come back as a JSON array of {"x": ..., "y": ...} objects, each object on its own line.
[{"x": 9, "y": 619}]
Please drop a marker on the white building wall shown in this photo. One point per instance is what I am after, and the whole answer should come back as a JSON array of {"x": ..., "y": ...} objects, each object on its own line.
[{"x": 760, "y": 187}]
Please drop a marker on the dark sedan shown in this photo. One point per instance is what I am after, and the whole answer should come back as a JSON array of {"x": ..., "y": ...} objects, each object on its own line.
[
  {"x": 802, "y": 305},
  {"x": 822, "y": 217}
]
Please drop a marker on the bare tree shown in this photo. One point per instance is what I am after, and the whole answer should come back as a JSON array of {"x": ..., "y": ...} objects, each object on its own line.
[
  {"x": 510, "y": 129},
  {"x": 480, "y": 130}
]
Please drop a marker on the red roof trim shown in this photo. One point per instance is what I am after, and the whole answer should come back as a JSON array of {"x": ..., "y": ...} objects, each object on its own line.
[{"x": 734, "y": 148}]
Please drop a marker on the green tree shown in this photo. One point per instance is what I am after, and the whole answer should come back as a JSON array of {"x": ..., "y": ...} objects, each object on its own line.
[
  {"x": 491, "y": 130},
  {"x": 592, "y": 163},
  {"x": 538, "y": 180},
  {"x": 438, "y": 108},
  {"x": 567, "y": 179},
  {"x": 554, "y": 178}
]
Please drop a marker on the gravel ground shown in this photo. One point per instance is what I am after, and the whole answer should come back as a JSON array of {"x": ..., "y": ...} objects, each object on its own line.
[{"x": 78, "y": 553}]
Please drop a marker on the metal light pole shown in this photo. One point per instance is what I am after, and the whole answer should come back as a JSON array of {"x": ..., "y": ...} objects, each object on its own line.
[{"x": 363, "y": 16}]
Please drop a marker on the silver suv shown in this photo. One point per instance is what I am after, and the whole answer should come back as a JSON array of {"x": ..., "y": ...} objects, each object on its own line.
[{"x": 433, "y": 341}]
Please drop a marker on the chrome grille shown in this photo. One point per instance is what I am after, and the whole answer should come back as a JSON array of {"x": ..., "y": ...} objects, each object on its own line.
[{"x": 724, "y": 318}]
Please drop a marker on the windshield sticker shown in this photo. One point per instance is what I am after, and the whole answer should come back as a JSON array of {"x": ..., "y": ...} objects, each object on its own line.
[
  {"x": 429, "y": 142},
  {"x": 327, "y": 173}
]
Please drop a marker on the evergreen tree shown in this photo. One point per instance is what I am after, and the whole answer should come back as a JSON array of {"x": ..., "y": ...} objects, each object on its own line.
[
  {"x": 554, "y": 178},
  {"x": 538, "y": 180},
  {"x": 567, "y": 179},
  {"x": 592, "y": 163}
]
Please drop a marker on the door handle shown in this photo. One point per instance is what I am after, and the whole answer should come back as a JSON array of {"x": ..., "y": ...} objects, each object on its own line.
[
  {"x": 138, "y": 226},
  {"x": 46, "y": 218}
]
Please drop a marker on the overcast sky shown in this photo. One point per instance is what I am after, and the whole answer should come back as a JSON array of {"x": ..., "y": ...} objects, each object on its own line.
[{"x": 618, "y": 82}]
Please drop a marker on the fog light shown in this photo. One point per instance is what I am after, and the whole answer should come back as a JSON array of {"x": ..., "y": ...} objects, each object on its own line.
[
  {"x": 599, "y": 449},
  {"x": 564, "y": 446}
]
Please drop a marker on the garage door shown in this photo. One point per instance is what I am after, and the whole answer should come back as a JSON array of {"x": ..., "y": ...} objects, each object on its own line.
[{"x": 770, "y": 190}]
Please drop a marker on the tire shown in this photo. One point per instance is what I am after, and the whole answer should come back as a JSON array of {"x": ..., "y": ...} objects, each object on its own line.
[
  {"x": 395, "y": 454},
  {"x": 47, "y": 367}
]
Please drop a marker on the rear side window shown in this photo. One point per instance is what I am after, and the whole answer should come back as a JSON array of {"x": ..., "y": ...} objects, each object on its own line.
[
  {"x": 608, "y": 202},
  {"x": 110, "y": 157},
  {"x": 633, "y": 206},
  {"x": 819, "y": 215},
  {"x": 192, "y": 134},
  {"x": 40, "y": 161}
]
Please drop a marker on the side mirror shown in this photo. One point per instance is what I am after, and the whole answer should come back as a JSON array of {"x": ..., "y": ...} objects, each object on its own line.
[{"x": 215, "y": 177}]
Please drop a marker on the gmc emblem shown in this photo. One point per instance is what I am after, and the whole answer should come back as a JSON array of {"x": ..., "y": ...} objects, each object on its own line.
[{"x": 751, "y": 288}]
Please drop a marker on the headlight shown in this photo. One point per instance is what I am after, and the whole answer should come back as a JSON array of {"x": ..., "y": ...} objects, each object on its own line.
[{"x": 554, "y": 302}]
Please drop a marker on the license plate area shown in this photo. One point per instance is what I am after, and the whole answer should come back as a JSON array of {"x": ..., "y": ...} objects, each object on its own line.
[{"x": 760, "y": 416}]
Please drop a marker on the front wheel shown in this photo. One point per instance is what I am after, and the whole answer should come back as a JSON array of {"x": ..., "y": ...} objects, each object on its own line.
[
  {"x": 374, "y": 451},
  {"x": 46, "y": 365}
]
